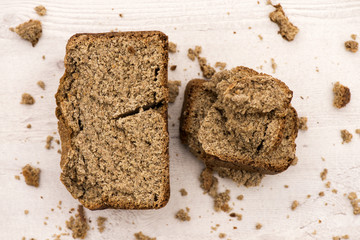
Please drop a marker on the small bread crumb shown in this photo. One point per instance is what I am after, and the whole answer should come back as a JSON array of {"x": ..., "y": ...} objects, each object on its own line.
[
  {"x": 321, "y": 194},
  {"x": 141, "y": 236},
  {"x": 30, "y": 31},
  {"x": 354, "y": 203},
  {"x": 240, "y": 197},
  {"x": 31, "y": 175},
  {"x": 17, "y": 177},
  {"x": 328, "y": 184},
  {"x": 260, "y": 37},
  {"x": 221, "y": 201},
  {"x": 357, "y": 131},
  {"x": 342, "y": 95},
  {"x": 295, "y": 161},
  {"x": 183, "y": 215},
  {"x": 173, "y": 90},
  {"x": 183, "y": 192},
  {"x": 173, "y": 67},
  {"x": 258, "y": 226},
  {"x": 294, "y": 205},
  {"x": 351, "y": 46},
  {"x": 43, "y": 57},
  {"x": 191, "y": 54},
  {"x": 48, "y": 141},
  {"x": 273, "y": 65},
  {"x": 26, "y": 212},
  {"x": 41, "y": 84},
  {"x": 287, "y": 30},
  {"x": 206, "y": 69},
  {"x": 27, "y": 99},
  {"x": 334, "y": 191},
  {"x": 40, "y": 10},
  {"x": 237, "y": 215},
  {"x": 303, "y": 123},
  {"x": 346, "y": 136},
  {"x": 220, "y": 65},
  {"x": 172, "y": 47},
  {"x": 28, "y": 126},
  {"x": 120, "y": 15},
  {"x": 353, "y": 36},
  {"x": 323, "y": 174},
  {"x": 101, "y": 223},
  {"x": 222, "y": 235},
  {"x": 78, "y": 225}
]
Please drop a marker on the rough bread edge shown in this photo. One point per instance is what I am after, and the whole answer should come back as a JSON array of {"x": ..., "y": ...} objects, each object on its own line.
[
  {"x": 212, "y": 161},
  {"x": 66, "y": 133}
]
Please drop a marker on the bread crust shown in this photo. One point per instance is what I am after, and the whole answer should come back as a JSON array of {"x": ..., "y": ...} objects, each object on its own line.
[{"x": 66, "y": 133}]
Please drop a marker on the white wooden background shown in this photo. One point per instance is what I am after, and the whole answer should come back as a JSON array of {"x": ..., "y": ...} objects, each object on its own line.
[{"x": 324, "y": 27}]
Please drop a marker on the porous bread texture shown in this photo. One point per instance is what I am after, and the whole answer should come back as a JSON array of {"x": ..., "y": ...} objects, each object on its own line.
[
  {"x": 112, "y": 111},
  {"x": 225, "y": 126}
]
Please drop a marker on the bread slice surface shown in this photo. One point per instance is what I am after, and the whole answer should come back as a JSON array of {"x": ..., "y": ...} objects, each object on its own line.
[{"x": 112, "y": 111}]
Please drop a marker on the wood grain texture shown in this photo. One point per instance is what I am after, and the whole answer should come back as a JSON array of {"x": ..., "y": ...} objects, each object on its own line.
[{"x": 324, "y": 27}]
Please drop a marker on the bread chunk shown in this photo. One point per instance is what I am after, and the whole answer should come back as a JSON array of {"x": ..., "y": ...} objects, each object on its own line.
[
  {"x": 112, "y": 111},
  {"x": 240, "y": 120}
]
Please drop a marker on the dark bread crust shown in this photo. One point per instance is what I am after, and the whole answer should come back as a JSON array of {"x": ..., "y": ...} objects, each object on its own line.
[
  {"x": 192, "y": 92},
  {"x": 66, "y": 133}
]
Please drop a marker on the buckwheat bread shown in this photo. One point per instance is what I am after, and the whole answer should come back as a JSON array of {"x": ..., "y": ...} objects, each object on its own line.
[
  {"x": 112, "y": 111},
  {"x": 235, "y": 131}
]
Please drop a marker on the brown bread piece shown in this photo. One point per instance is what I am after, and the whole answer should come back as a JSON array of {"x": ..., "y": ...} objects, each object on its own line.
[{"x": 112, "y": 111}]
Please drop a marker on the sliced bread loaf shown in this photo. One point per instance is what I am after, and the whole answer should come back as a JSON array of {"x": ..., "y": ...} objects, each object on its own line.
[
  {"x": 112, "y": 111},
  {"x": 255, "y": 139}
]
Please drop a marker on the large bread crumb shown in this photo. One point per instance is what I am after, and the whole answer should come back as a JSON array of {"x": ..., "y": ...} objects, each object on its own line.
[
  {"x": 40, "y": 10},
  {"x": 78, "y": 225},
  {"x": 141, "y": 236},
  {"x": 351, "y": 46},
  {"x": 287, "y": 30},
  {"x": 342, "y": 95},
  {"x": 30, "y": 31},
  {"x": 183, "y": 215},
  {"x": 31, "y": 175},
  {"x": 354, "y": 203},
  {"x": 27, "y": 99},
  {"x": 346, "y": 136},
  {"x": 173, "y": 90}
]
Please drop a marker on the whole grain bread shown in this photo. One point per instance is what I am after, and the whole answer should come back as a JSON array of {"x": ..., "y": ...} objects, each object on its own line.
[
  {"x": 112, "y": 111},
  {"x": 240, "y": 135}
]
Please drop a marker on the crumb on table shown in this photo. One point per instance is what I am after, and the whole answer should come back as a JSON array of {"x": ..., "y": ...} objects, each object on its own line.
[
  {"x": 101, "y": 223},
  {"x": 258, "y": 226},
  {"x": 172, "y": 47},
  {"x": 41, "y": 84},
  {"x": 222, "y": 235},
  {"x": 351, "y": 46},
  {"x": 28, "y": 126},
  {"x": 78, "y": 224},
  {"x": 323, "y": 174},
  {"x": 346, "y": 136},
  {"x": 183, "y": 215},
  {"x": 354, "y": 203},
  {"x": 303, "y": 123},
  {"x": 30, "y": 31},
  {"x": 173, "y": 90},
  {"x": 31, "y": 175},
  {"x": 27, "y": 99},
  {"x": 183, "y": 192},
  {"x": 294, "y": 205},
  {"x": 342, "y": 95},
  {"x": 287, "y": 30},
  {"x": 141, "y": 236},
  {"x": 273, "y": 65},
  {"x": 40, "y": 10},
  {"x": 48, "y": 141},
  {"x": 173, "y": 67}
]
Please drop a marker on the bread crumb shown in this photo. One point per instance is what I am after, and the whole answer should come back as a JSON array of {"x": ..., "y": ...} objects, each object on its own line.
[
  {"x": 258, "y": 226},
  {"x": 207, "y": 180},
  {"x": 120, "y": 15},
  {"x": 48, "y": 141},
  {"x": 26, "y": 212},
  {"x": 295, "y": 161},
  {"x": 57, "y": 141},
  {"x": 273, "y": 65},
  {"x": 221, "y": 201},
  {"x": 17, "y": 177},
  {"x": 172, "y": 47},
  {"x": 323, "y": 159},
  {"x": 78, "y": 225},
  {"x": 334, "y": 191},
  {"x": 357, "y": 131},
  {"x": 240, "y": 197},
  {"x": 327, "y": 185},
  {"x": 28, "y": 126},
  {"x": 286, "y": 186},
  {"x": 101, "y": 223},
  {"x": 173, "y": 67},
  {"x": 191, "y": 54},
  {"x": 31, "y": 175},
  {"x": 240, "y": 177},
  {"x": 321, "y": 194},
  {"x": 237, "y": 215},
  {"x": 303, "y": 123},
  {"x": 351, "y": 46},
  {"x": 314, "y": 232},
  {"x": 353, "y": 36},
  {"x": 183, "y": 192},
  {"x": 30, "y": 31},
  {"x": 323, "y": 174},
  {"x": 222, "y": 235},
  {"x": 354, "y": 203},
  {"x": 206, "y": 69},
  {"x": 41, "y": 84},
  {"x": 294, "y": 205},
  {"x": 260, "y": 37},
  {"x": 342, "y": 95},
  {"x": 40, "y": 10},
  {"x": 220, "y": 65},
  {"x": 345, "y": 236},
  {"x": 27, "y": 99},
  {"x": 183, "y": 215},
  {"x": 43, "y": 57},
  {"x": 346, "y": 136},
  {"x": 308, "y": 196},
  {"x": 141, "y": 236},
  {"x": 287, "y": 30},
  {"x": 173, "y": 90}
]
